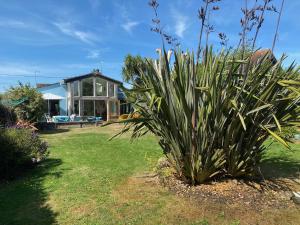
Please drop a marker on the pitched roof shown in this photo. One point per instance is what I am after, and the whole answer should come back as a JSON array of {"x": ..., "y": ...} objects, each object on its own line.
[
  {"x": 49, "y": 86},
  {"x": 92, "y": 74},
  {"x": 40, "y": 85}
]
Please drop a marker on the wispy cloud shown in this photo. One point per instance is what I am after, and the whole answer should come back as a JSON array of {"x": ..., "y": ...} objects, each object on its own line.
[
  {"x": 128, "y": 26},
  {"x": 12, "y": 24},
  {"x": 12, "y": 68},
  {"x": 96, "y": 53},
  {"x": 70, "y": 30},
  {"x": 180, "y": 27},
  {"x": 129, "y": 23},
  {"x": 28, "y": 25},
  {"x": 181, "y": 22},
  {"x": 93, "y": 54}
]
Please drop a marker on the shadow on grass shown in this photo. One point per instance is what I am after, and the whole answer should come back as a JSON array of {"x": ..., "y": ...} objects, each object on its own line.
[
  {"x": 23, "y": 201},
  {"x": 280, "y": 167},
  {"x": 54, "y": 131},
  {"x": 277, "y": 170}
]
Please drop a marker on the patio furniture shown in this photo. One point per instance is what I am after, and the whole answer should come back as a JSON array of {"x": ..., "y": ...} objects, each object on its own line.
[
  {"x": 48, "y": 117},
  {"x": 60, "y": 119},
  {"x": 74, "y": 120}
]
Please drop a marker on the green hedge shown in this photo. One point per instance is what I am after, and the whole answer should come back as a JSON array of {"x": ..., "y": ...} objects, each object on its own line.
[{"x": 20, "y": 149}]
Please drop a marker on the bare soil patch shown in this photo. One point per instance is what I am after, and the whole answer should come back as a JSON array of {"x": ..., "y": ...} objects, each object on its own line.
[
  {"x": 225, "y": 202},
  {"x": 259, "y": 196}
]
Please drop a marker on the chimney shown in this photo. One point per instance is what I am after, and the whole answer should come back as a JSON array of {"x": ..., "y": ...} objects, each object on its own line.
[{"x": 96, "y": 71}]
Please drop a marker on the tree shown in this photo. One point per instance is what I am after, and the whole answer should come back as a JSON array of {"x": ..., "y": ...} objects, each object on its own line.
[
  {"x": 133, "y": 65},
  {"x": 32, "y": 108}
]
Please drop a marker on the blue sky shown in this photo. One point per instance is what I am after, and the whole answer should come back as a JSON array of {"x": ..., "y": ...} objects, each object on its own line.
[{"x": 55, "y": 39}]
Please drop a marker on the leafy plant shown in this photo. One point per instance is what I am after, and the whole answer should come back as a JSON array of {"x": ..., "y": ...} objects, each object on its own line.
[
  {"x": 236, "y": 112},
  {"x": 213, "y": 114},
  {"x": 132, "y": 66},
  {"x": 20, "y": 148},
  {"x": 30, "y": 110}
]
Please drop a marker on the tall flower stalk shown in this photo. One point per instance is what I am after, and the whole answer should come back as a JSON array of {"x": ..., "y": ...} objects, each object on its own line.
[
  {"x": 260, "y": 21},
  {"x": 277, "y": 26},
  {"x": 158, "y": 28}
]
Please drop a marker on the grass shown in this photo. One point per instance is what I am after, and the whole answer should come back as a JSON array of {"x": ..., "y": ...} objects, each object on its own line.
[{"x": 90, "y": 180}]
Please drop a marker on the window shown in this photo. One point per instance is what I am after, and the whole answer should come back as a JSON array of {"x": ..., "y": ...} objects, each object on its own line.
[
  {"x": 88, "y": 108},
  {"x": 111, "y": 90},
  {"x": 46, "y": 106},
  {"x": 76, "y": 107},
  {"x": 88, "y": 87},
  {"x": 113, "y": 108},
  {"x": 76, "y": 88},
  {"x": 101, "y": 87},
  {"x": 100, "y": 108}
]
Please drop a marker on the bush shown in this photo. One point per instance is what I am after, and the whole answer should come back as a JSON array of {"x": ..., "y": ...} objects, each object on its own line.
[
  {"x": 20, "y": 148},
  {"x": 7, "y": 116},
  {"x": 288, "y": 132},
  {"x": 30, "y": 110},
  {"x": 213, "y": 117}
]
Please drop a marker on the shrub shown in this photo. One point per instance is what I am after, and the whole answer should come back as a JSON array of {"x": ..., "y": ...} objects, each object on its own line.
[
  {"x": 30, "y": 110},
  {"x": 20, "y": 148},
  {"x": 219, "y": 124},
  {"x": 287, "y": 132},
  {"x": 7, "y": 116}
]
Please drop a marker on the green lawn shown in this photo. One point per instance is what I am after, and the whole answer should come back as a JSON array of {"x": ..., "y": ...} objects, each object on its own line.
[{"x": 90, "y": 180}]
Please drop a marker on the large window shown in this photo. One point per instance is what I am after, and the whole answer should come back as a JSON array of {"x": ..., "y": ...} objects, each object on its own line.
[
  {"x": 100, "y": 108},
  {"x": 76, "y": 88},
  {"x": 76, "y": 107},
  {"x": 88, "y": 87},
  {"x": 88, "y": 108},
  {"x": 111, "y": 90},
  {"x": 101, "y": 87},
  {"x": 113, "y": 108}
]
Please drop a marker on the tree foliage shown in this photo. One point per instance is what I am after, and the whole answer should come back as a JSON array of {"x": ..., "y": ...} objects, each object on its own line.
[
  {"x": 132, "y": 67},
  {"x": 32, "y": 108}
]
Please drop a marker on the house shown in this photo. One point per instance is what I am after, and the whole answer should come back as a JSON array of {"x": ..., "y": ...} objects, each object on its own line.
[{"x": 92, "y": 94}]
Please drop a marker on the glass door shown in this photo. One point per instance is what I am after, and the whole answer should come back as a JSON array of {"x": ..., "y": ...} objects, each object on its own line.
[{"x": 100, "y": 109}]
